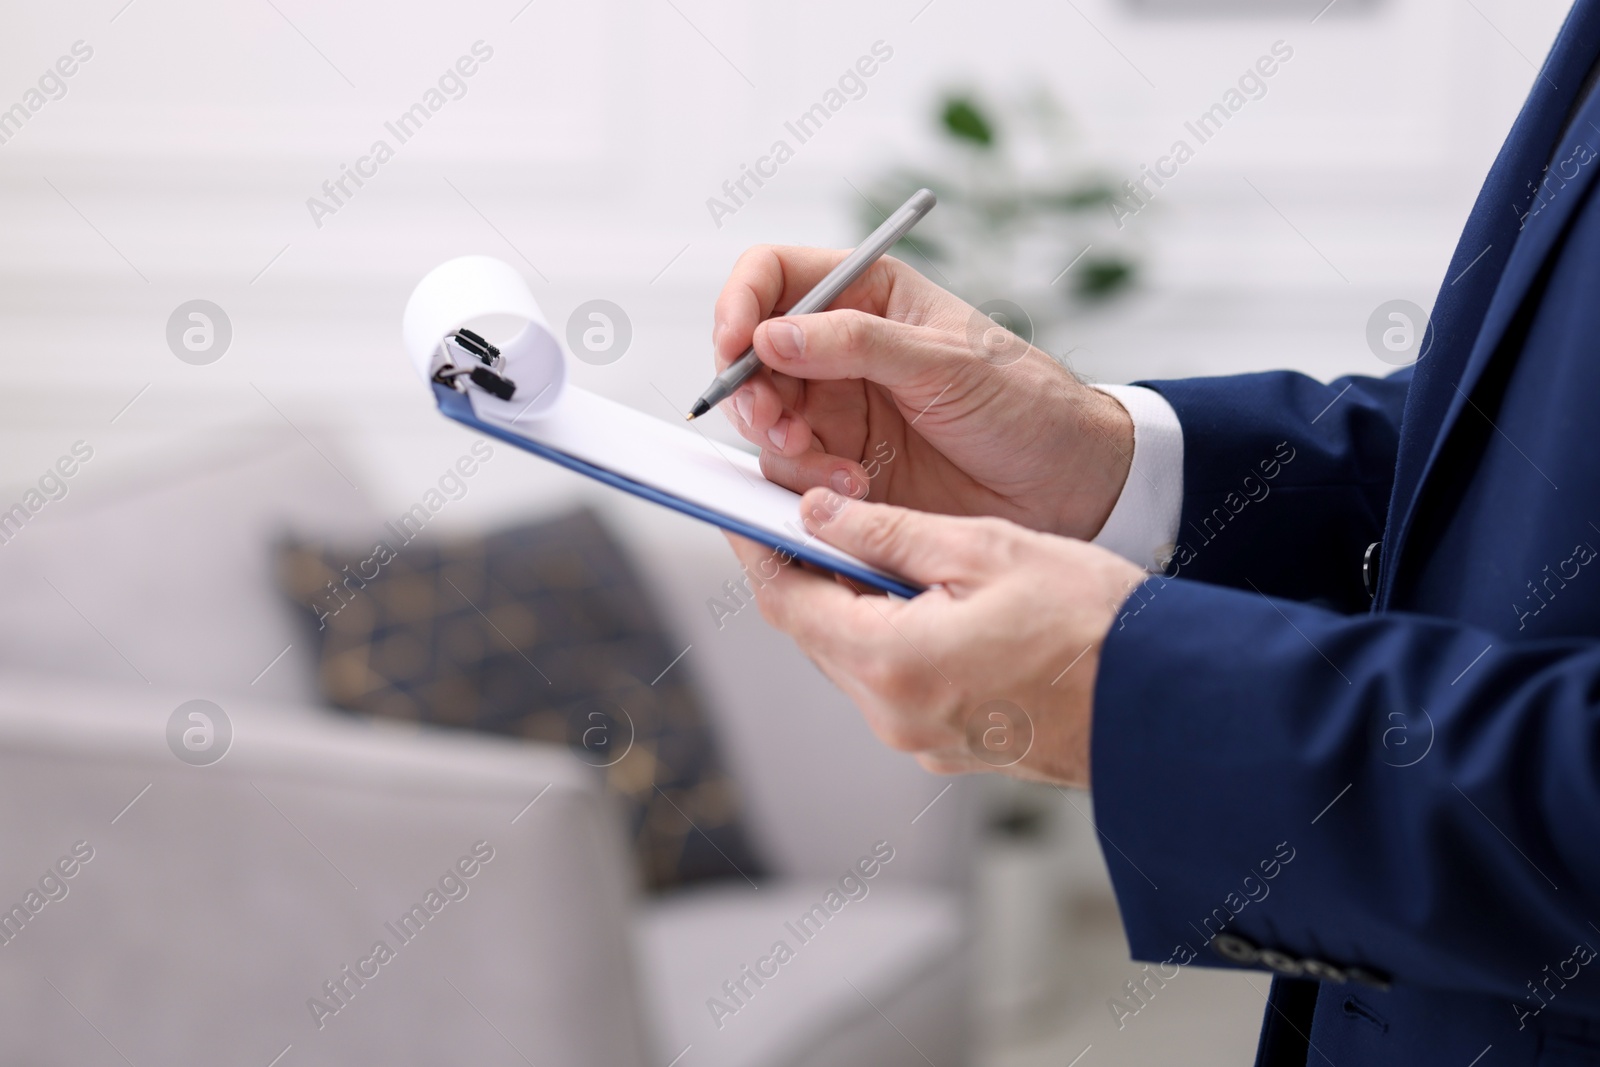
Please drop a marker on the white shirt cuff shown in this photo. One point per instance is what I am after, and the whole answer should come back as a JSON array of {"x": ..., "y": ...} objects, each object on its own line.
[{"x": 1143, "y": 526}]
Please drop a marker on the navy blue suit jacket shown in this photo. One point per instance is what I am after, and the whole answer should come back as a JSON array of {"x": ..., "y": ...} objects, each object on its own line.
[{"x": 1394, "y": 804}]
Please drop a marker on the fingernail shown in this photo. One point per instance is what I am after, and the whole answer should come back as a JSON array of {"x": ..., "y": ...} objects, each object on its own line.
[
  {"x": 743, "y": 405},
  {"x": 779, "y": 433},
  {"x": 843, "y": 482},
  {"x": 788, "y": 340}
]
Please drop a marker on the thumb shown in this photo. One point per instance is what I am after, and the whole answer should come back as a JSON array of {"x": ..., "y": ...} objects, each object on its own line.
[{"x": 926, "y": 548}]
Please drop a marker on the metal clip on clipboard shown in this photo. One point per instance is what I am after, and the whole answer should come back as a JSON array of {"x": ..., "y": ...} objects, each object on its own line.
[{"x": 462, "y": 354}]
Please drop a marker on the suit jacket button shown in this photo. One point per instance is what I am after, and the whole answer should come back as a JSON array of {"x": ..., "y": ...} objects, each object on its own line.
[
  {"x": 1283, "y": 964},
  {"x": 1235, "y": 948}
]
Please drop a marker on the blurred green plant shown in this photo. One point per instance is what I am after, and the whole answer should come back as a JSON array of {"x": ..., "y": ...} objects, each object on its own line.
[
  {"x": 964, "y": 121},
  {"x": 1011, "y": 203}
]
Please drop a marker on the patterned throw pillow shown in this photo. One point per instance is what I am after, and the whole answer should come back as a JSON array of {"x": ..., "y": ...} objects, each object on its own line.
[{"x": 541, "y": 631}]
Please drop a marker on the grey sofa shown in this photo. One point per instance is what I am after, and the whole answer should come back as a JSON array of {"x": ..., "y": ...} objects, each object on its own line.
[{"x": 219, "y": 905}]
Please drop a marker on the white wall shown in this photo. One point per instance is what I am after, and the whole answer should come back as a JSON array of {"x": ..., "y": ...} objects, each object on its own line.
[{"x": 584, "y": 152}]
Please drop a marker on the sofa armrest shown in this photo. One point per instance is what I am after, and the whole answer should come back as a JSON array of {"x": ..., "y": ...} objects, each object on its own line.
[{"x": 222, "y": 904}]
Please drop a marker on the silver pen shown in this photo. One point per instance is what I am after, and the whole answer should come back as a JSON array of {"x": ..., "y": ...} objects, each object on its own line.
[{"x": 826, "y": 292}]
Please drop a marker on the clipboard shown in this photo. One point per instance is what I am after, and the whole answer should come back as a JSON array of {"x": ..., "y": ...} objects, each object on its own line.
[{"x": 515, "y": 391}]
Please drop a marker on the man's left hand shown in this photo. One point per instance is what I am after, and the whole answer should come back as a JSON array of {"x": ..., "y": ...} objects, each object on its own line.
[{"x": 992, "y": 669}]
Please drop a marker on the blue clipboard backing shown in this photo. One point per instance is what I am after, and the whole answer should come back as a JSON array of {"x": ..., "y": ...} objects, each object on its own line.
[{"x": 457, "y": 406}]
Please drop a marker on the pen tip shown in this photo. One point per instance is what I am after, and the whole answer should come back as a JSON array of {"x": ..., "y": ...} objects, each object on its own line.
[{"x": 700, "y": 408}]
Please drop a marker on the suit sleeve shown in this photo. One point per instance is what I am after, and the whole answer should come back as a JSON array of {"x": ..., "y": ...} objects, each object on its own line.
[
  {"x": 1278, "y": 469},
  {"x": 1398, "y": 793}
]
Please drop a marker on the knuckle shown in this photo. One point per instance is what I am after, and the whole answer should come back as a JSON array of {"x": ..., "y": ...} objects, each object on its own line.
[
  {"x": 881, "y": 530},
  {"x": 901, "y": 733},
  {"x": 759, "y": 266},
  {"x": 773, "y": 256},
  {"x": 897, "y": 737},
  {"x": 897, "y": 680},
  {"x": 996, "y": 542},
  {"x": 873, "y": 673},
  {"x": 855, "y": 332},
  {"x": 942, "y": 764},
  {"x": 898, "y": 270},
  {"x": 882, "y": 675},
  {"x": 753, "y": 258}
]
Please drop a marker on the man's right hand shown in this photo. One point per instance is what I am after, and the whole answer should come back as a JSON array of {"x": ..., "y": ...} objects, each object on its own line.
[{"x": 904, "y": 394}]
